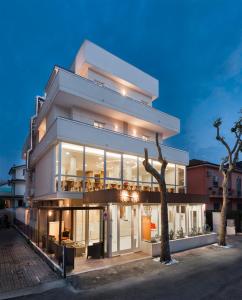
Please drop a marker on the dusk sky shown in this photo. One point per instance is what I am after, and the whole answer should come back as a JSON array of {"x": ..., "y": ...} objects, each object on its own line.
[{"x": 194, "y": 48}]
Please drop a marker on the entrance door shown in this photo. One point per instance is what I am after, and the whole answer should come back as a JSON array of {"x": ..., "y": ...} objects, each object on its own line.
[
  {"x": 125, "y": 228},
  {"x": 125, "y": 225}
]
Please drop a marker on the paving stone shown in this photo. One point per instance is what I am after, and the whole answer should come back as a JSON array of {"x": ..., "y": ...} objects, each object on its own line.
[{"x": 20, "y": 266}]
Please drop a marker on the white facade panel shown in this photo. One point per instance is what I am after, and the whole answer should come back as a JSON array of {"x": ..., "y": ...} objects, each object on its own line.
[
  {"x": 110, "y": 64},
  {"x": 44, "y": 174},
  {"x": 73, "y": 90},
  {"x": 76, "y": 132}
]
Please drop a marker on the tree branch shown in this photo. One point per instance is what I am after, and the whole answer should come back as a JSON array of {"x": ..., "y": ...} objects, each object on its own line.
[
  {"x": 149, "y": 168},
  {"x": 221, "y": 139},
  {"x": 160, "y": 156}
]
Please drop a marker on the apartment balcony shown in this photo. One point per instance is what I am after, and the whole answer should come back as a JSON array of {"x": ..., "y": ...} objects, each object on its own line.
[
  {"x": 68, "y": 89},
  {"x": 71, "y": 131}
]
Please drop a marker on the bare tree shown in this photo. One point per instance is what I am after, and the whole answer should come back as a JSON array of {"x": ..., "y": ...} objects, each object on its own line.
[
  {"x": 228, "y": 164},
  {"x": 165, "y": 255}
]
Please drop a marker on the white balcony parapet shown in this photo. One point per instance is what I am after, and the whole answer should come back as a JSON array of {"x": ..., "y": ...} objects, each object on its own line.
[
  {"x": 69, "y": 89},
  {"x": 76, "y": 132}
]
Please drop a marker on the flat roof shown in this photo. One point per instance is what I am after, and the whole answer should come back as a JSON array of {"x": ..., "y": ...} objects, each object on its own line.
[{"x": 112, "y": 66}]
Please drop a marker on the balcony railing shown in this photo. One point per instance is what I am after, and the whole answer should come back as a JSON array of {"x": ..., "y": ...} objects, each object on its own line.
[{"x": 119, "y": 133}]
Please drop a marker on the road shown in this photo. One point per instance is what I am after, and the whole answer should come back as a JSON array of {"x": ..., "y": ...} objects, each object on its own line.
[{"x": 205, "y": 273}]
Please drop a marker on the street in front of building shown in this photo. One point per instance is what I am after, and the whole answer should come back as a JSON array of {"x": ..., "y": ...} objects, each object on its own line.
[{"x": 209, "y": 272}]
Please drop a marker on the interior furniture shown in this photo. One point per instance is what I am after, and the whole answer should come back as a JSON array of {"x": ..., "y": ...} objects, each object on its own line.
[{"x": 96, "y": 250}]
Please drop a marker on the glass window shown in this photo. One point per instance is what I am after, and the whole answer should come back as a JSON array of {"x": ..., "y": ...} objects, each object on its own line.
[
  {"x": 170, "y": 174},
  {"x": 113, "y": 165},
  {"x": 57, "y": 160},
  {"x": 113, "y": 184},
  {"x": 71, "y": 184},
  {"x": 180, "y": 175},
  {"x": 150, "y": 222},
  {"x": 42, "y": 129},
  {"x": 71, "y": 160},
  {"x": 114, "y": 228},
  {"x": 98, "y": 124},
  {"x": 143, "y": 175},
  {"x": 94, "y": 226},
  {"x": 94, "y": 162},
  {"x": 94, "y": 184},
  {"x": 157, "y": 166},
  {"x": 129, "y": 167}
]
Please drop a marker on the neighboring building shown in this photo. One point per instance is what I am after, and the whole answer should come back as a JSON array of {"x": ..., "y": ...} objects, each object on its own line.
[
  {"x": 204, "y": 178},
  {"x": 12, "y": 191},
  {"x": 17, "y": 185},
  {"x": 85, "y": 179},
  {"x": 5, "y": 195}
]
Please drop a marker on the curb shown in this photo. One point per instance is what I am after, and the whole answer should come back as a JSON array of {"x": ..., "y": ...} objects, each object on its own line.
[{"x": 34, "y": 290}]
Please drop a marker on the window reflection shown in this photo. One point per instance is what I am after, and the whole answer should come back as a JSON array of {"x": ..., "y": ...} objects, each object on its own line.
[
  {"x": 72, "y": 160},
  {"x": 135, "y": 178},
  {"x": 94, "y": 162},
  {"x": 130, "y": 167},
  {"x": 143, "y": 175},
  {"x": 113, "y": 165}
]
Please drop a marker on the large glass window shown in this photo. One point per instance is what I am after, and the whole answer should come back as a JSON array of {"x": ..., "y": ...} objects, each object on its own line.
[
  {"x": 150, "y": 222},
  {"x": 94, "y": 162},
  {"x": 143, "y": 175},
  {"x": 113, "y": 165},
  {"x": 180, "y": 178},
  {"x": 72, "y": 160},
  {"x": 170, "y": 174},
  {"x": 130, "y": 167}
]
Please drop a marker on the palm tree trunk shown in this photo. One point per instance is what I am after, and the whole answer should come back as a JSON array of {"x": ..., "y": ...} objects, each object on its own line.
[
  {"x": 165, "y": 255},
  {"x": 222, "y": 233}
]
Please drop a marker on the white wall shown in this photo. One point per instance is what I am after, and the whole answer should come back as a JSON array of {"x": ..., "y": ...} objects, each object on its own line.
[
  {"x": 118, "y": 87},
  {"x": 19, "y": 188},
  {"x": 44, "y": 174},
  {"x": 89, "y": 117},
  {"x": 108, "y": 63},
  {"x": 19, "y": 172},
  {"x": 56, "y": 111}
]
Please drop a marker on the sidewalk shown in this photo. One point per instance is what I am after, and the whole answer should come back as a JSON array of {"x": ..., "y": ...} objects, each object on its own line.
[{"x": 20, "y": 266}]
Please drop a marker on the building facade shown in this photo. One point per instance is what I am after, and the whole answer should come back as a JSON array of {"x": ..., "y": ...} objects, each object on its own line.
[
  {"x": 204, "y": 178},
  {"x": 12, "y": 192},
  {"x": 85, "y": 178}
]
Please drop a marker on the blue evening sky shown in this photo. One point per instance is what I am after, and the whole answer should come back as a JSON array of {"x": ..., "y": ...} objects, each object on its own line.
[{"x": 193, "y": 47}]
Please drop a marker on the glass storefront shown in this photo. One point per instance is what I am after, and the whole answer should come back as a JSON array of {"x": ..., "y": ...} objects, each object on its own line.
[
  {"x": 82, "y": 169},
  {"x": 183, "y": 219}
]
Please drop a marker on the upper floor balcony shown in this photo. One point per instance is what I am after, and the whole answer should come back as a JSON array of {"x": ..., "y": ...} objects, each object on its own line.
[
  {"x": 76, "y": 132},
  {"x": 71, "y": 90}
]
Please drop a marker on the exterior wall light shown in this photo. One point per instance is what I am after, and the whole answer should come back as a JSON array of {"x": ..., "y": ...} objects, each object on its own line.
[
  {"x": 50, "y": 213},
  {"x": 135, "y": 197},
  {"x": 125, "y": 196}
]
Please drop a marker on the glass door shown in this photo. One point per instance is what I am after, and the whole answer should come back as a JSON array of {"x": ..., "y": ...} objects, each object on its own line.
[
  {"x": 95, "y": 226},
  {"x": 125, "y": 227},
  {"x": 135, "y": 221}
]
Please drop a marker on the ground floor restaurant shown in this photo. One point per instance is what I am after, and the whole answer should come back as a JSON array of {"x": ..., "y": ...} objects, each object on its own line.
[{"x": 109, "y": 229}]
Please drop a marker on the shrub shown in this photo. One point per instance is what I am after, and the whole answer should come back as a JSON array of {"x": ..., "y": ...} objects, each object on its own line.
[
  {"x": 171, "y": 235},
  {"x": 180, "y": 233}
]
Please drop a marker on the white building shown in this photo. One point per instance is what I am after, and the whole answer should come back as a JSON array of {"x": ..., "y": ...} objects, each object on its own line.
[
  {"x": 86, "y": 182},
  {"x": 17, "y": 184}
]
